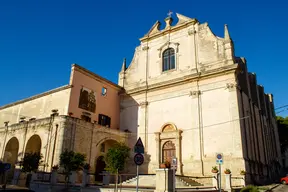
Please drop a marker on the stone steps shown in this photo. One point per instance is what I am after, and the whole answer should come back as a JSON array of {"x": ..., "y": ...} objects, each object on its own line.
[{"x": 149, "y": 181}]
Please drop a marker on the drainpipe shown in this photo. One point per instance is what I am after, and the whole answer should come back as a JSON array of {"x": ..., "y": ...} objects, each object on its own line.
[{"x": 6, "y": 132}]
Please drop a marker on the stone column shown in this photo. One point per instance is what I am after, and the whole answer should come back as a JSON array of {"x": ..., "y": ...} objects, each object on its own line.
[
  {"x": 158, "y": 158},
  {"x": 85, "y": 178},
  {"x": 164, "y": 180},
  {"x": 106, "y": 178},
  {"x": 178, "y": 152},
  {"x": 72, "y": 177},
  {"x": 243, "y": 181},
  {"x": 228, "y": 187},
  {"x": 215, "y": 180},
  {"x": 54, "y": 175},
  {"x": 16, "y": 176}
]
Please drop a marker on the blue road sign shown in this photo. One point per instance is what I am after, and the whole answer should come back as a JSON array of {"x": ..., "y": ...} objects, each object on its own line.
[
  {"x": 139, "y": 147},
  {"x": 138, "y": 159},
  {"x": 219, "y": 158}
]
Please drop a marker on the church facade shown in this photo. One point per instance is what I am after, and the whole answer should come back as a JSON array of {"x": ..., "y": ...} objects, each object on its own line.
[
  {"x": 188, "y": 96},
  {"x": 185, "y": 94}
]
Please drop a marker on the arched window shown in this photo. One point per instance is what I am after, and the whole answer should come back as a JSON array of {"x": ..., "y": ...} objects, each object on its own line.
[{"x": 168, "y": 59}]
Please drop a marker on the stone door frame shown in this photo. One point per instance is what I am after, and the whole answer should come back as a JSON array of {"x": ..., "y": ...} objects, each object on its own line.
[{"x": 169, "y": 132}]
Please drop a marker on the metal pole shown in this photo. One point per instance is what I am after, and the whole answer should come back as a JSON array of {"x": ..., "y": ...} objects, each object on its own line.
[
  {"x": 137, "y": 173},
  {"x": 219, "y": 177}
]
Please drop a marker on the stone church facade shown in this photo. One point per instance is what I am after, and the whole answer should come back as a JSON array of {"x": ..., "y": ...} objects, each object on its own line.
[
  {"x": 188, "y": 96},
  {"x": 185, "y": 94}
]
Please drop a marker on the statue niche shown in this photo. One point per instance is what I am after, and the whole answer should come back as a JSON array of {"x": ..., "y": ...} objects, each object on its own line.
[{"x": 87, "y": 100}]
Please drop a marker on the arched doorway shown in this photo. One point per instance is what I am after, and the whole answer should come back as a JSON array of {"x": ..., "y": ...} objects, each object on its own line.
[
  {"x": 33, "y": 145},
  {"x": 100, "y": 167},
  {"x": 168, "y": 151},
  {"x": 11, "y": 151}
]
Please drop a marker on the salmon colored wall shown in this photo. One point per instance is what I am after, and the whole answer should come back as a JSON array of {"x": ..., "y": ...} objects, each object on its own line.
[{"x": 107, "y": 105}]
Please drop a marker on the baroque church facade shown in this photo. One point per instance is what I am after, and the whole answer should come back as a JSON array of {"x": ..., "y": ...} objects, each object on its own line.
[
  {"x": 184, "y": 93},
  {"x": 188, "y": 96}
]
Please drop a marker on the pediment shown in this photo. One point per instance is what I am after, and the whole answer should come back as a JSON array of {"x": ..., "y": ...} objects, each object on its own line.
[{"x": 155, "y": 28}]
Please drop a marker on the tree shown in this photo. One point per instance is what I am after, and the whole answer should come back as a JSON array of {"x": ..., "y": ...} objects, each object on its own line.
[
  {"x": 282, "y": 124},
  {"x": 115, "y": 159},
  {"x": 71, "y": 161},
  {"x": 30, "y": 162}
]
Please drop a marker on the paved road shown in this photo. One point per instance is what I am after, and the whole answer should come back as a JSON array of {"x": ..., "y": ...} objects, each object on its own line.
[{"x": 281, "y": 188}]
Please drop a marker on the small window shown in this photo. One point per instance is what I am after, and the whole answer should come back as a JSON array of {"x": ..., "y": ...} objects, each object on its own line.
[
  {"x": 104, "y": 120},
  {"x": 102, "y": 148},
  {"x": 168, "y": 59},
  {"x": 86, "y": 118},
  {"x": 104, "y": 91}
]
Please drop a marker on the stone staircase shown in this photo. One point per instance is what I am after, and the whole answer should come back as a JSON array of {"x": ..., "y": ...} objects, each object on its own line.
[{"x": 149, "y": 181}]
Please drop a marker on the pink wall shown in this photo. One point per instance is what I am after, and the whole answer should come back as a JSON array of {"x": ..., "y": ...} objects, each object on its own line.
[{"x": 108, "y": 105}]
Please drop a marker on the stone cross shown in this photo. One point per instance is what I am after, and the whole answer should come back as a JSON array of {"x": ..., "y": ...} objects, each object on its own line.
[{"x": 170, "y": 13}]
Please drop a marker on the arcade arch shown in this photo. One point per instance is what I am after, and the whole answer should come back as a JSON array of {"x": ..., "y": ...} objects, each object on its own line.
[
  {"x": 33, "y": 145},
  {"x": 11, "y": 151}
]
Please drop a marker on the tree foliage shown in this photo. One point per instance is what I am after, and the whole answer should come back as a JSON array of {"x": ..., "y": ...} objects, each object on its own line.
[
  {"x": 31, "y": 162},
  {"x": 116, "y": 157},
  {"x": 282, "y": 124},
  {"x": 72, "y": 161}
]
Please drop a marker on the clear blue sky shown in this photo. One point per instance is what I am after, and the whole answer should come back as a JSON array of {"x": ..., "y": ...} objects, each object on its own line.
[{"x": 40, "y": 39}]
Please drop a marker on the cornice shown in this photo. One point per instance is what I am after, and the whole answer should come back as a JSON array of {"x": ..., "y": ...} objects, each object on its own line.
[
  {"x": 183, "y": 80},
  {"x": 95, "y": 76},
  {"x": 37, "y": 96}
]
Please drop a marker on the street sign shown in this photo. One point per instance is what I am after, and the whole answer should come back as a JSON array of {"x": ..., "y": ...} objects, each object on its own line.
[
  {"x": 139, "y": 147},
  {"x": 139, "y": 159},
  {"x": 219, "y": 158}
]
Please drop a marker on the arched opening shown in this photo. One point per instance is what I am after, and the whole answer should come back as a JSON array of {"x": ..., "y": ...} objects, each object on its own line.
[
  {"x": 33, "y": 145},
  {"x": 100, "y": 167},
  {"x": 168, "y": 151},
  {"x": 11, "y": 151}
]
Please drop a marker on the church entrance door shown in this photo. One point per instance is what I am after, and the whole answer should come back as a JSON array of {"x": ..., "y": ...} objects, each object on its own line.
[
  {"x": 168, "y": 151},
  {"x": 100, "y": 167}
]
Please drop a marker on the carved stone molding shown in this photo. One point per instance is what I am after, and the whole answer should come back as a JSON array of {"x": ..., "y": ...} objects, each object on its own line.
[
  {"x": 143, "y": 104},
  {"x": 144, "y": 48},
  {"x": 195, "y": 94},
  {"x": 231, "y": 86},
  {"x": 191, "y": 31},
  {"x": 166, "y": 45}
]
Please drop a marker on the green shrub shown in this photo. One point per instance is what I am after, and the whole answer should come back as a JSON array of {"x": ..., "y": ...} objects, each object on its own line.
[{"x": 249, "y": 188}]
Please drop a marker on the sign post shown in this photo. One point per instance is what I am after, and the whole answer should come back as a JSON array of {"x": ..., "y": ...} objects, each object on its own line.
[
  {"x": 174, "y": 168},
  {"x": 219, "y": 161},
  {"x": 138, "y": 158}
]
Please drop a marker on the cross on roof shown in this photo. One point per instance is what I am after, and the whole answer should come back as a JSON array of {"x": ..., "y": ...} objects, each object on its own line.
[{"x": 170, "y": 13}]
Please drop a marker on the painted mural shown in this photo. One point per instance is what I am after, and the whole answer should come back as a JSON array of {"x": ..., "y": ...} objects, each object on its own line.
[{"x": 87, "y": 100}]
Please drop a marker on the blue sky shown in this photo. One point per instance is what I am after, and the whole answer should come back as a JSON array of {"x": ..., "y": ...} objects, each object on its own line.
[{"x": 39, "y": 40}]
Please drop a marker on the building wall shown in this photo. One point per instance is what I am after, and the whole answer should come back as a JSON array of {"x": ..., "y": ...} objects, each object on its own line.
[
  {"x": 108, "y": 104},
  {"x": 39, "y": 106}
]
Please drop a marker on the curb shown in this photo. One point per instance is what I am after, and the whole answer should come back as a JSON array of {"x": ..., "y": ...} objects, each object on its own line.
[{"x": 270, "y": 190}]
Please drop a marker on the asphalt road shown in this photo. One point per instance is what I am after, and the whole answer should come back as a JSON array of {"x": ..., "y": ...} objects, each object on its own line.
[{"x": 281, "y": 188}]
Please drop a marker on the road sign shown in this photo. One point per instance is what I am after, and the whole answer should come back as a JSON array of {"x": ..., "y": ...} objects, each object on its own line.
[
  {"x": 139, "y": 147},
  {"x": 219, "y": 158},
  {"x": 139, "y": 159}
]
